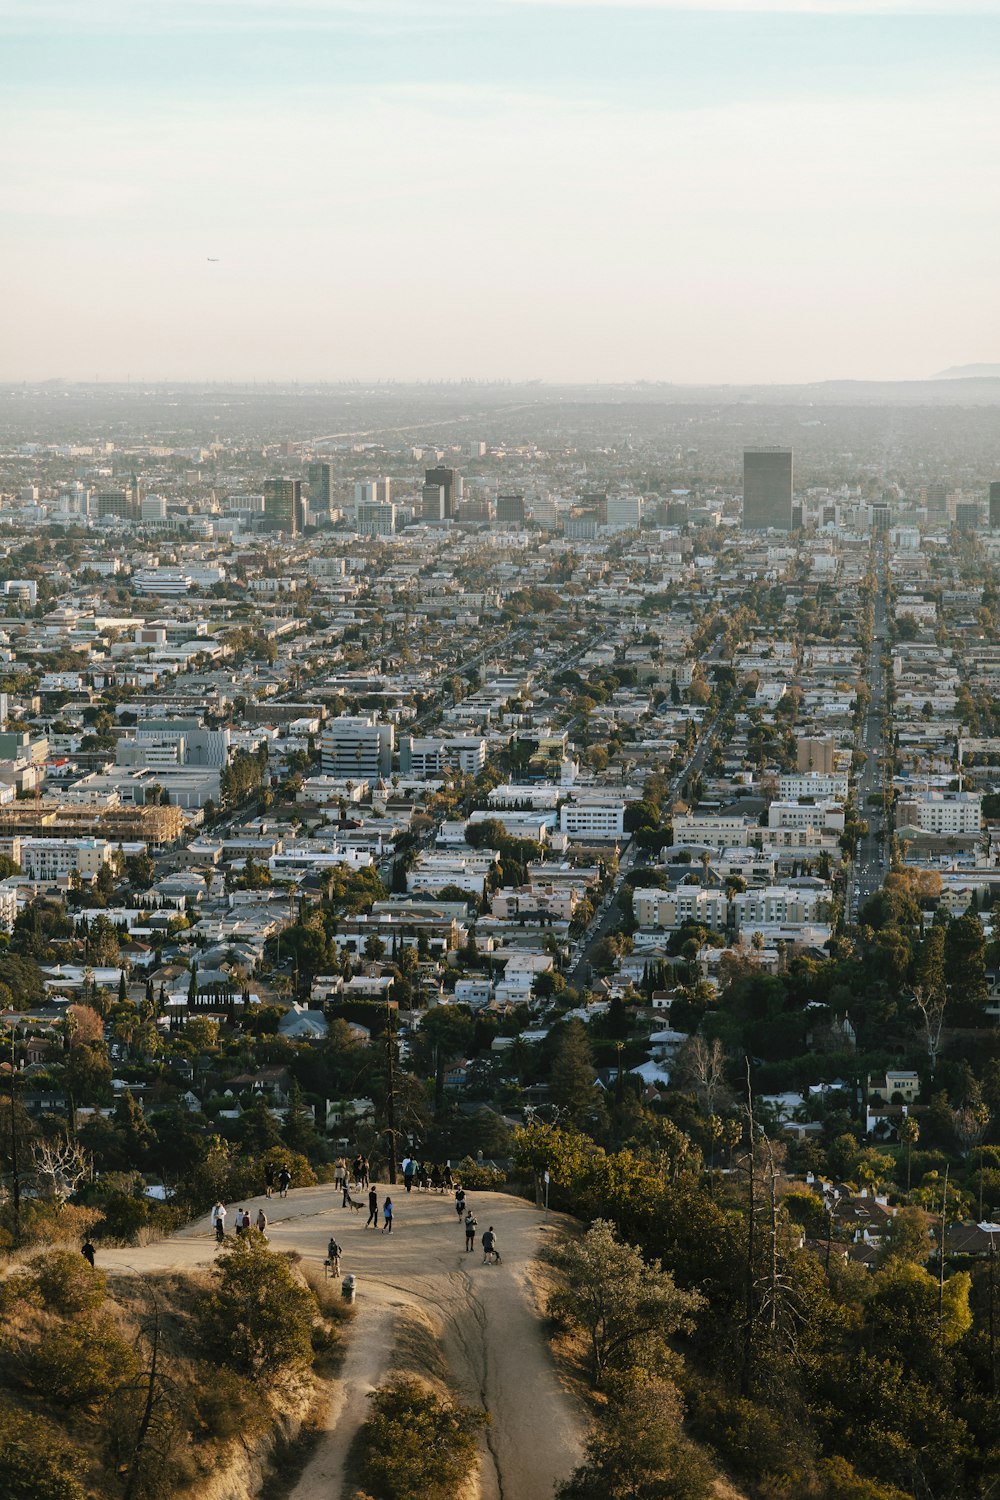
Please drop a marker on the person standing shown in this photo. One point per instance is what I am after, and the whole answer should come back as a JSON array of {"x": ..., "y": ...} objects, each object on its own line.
[
  {"x": 284, "y": 1182},
  {"x": 339, "y": 1172},
  {"x": 365, "y": 1171},
  {"x": 345, "y": 1200},
  {"x": 269, "y": 1179},
  {"x": 387, "y": 1216},
  {"x": 491, "y": 1255},
  {"x": 238, "y": 1224},
  {"x": 246, "y": 1221},
  {"x": 88, "y": 1252},
  {"x": 219, "y": 1221},
  {"x": 372, "y": 1206},
  {"x": 409, "y": 1169},
  {"x": 470, "y": 1231},
  {"x": 356, "y": 1170},
  {"x": 262, "y": 1222},
  {"x": 460, "y": 1201},
  {"x": 333, "y": 1254}
]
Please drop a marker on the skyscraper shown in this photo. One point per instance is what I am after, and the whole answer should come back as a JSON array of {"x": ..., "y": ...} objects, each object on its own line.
[
  {"x": 995, "y": 505},
  {"x": 283, "y": 505},
  {"x": 320, "y": 477},
  {"x": 449, "y": 481},
  {"x": 510, "y": 512},
  {"x": 767, "y": 489}
]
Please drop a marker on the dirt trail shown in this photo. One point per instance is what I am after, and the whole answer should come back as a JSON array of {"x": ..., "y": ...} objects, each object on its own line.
[{"x": 485, "y": 1315}]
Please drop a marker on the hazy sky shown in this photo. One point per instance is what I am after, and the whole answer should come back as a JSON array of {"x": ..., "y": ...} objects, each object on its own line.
[{"x": 499, "y": 188}]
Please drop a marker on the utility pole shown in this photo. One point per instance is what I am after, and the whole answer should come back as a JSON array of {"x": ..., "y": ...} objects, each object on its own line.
[{"x": 390, "y": 1091}]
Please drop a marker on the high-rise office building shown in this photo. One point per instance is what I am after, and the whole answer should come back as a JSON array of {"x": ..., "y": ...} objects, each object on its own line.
[
  {"x": 449, "y": 481},
  {"x": 967, "y": 515},
  {"x": 995, "y": 505},
  {"x": 375, "y": 519},
  {"x": 116, "y": 503},
  {"x": 320, "y": 476},
  {"x": 623, "y": 512},
  {"x": 357, "y": 747},
  {"x": 510, "y": 512},
  {"x": 433, "y": 504},
  {"x": 283, "y": 505},
  {"x": 767, "y": 489}
]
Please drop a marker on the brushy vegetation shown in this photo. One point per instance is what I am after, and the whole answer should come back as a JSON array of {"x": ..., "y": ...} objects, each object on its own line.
[
  {"x": 139, "y": 1391},
  {"x": 416, "y": 1445}
]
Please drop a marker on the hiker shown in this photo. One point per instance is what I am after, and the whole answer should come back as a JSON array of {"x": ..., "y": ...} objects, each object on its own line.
[
  {"x": 422, "y": 1176},
  {"x": 219, "y": 1221},
  {"x": 269, "y": 1179},
  {"x": 262, "y": 1222},
  {"x": 437, "y": 1181},
  {"x": 333, "y": 1254},
  {"x": 238, "y": 1226},
  {"x": 356, "y": 1171},
  {"x": 88, "y": 1252},
  {"x": 491, "y": 1254},
  {"x": 365, "y": 1171},
  {"x": 470, "y": 1231},
  {"x": 345, "y": 1201},
  {"x": 448, "y": 1180},
  {"x": 339, "y": 1172},
  {"x": 409, "y": 1171},
  {"x": 460, "y": 1201},
  {"x": 387, "y": 1216},
  {"x": 284, "y": 1182},
  {"x": 372, "y": 1206},
  {"x": 246, "y": 1221}
]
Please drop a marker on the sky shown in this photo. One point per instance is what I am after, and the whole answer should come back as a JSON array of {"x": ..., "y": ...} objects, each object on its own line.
[{"x": 563, "y": 190}]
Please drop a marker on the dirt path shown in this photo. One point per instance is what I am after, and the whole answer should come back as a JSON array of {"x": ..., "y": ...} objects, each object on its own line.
[{"x": 483, "y": 1316}]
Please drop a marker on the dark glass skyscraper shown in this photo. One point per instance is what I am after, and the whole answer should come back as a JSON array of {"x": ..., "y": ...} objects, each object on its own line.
[{"x": 767, "y": 489}]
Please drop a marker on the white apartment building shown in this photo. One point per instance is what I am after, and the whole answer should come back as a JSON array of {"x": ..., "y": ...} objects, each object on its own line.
[
  {"x": 467, "y": 871},
  {"x": 717, "y": 830},
  {"x": 806, "y": 815},
  {"x": 510, "y": 904},
  {"x": 624, "y": 512},
  {"x": 941, "y": 812},
  {"x": 593, "y": 820},
  {"x": 427, "y": 756},
  {"x": 373, "y": 518},
  {"x": 357, "y": 748},
  {"x": 670, "y": 909},
  {"x": 53, "y": 859},
  {"x": 779, "y": 903},
  {"x": 820, "y": 786}
]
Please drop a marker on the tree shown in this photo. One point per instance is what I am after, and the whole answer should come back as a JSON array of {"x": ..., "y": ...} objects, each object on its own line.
[
  {"x": 258, "y": 1318},
  {"x": 60, "y": 1165},
  {"x": 909, "y": 1135},
  {"x": 965, "y": 963},
  {"x": 702, "y": 1065},
  {"x": 636, "y": 1452},
  {"x": 573, "y": 1075},
  {"x": 627, "y": 1307}
]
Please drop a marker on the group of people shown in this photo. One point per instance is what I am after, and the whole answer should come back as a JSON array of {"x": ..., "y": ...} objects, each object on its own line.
[
  {"x": 283, "y": 1177},
  {"x": 417, "y": 1174},
  {"x": 357, "y": 1172},
  {"x": 243, "y": 1223}
]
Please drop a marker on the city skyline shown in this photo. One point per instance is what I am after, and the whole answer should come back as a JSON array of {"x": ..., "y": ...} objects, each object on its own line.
[{"x": 563, "y": 191}]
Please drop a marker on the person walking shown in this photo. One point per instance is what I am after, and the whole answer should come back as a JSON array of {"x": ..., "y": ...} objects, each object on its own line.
[
  {"x": 365, "y": 1171},
  {"x": 345, "y": 1201},
  {"x": 409, "y": 1171},
  {"x": 88, "y": 1252},
  {"x": 460, "y": 1201},
  {"x": 284, "y": 1182},
  {"x": 339, "y": 1172},
  {"x": 219, "y": 1221},
  {"x": 333, "y": 1254},
  {"x": 246, "y": 1221},
  {"x": 470, "y": 1231},
  {"x": 447, "y": 1178},
  {"x": 262, "y": 1222},
  {"x": 238, "y": 1225},
  {"x": 387, "y": 1216},
  {"x": 491, "y": 1255},
  {"x": 269, "y": 1179},
  {"x": 356, "y": 1170},
  {"x": 372, "y": 1206}
]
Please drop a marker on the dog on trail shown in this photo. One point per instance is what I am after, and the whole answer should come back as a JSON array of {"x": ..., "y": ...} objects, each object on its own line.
[{"x": 354, "y": 1204}]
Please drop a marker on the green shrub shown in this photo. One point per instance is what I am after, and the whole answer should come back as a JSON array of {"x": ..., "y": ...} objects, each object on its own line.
[
  {"x": 77, "y": 1364},
  {"x": 415, "y": 1445},
  {"x": 67, "y": 1284},
  {"x": 258, "y": 1319},
  {"x": 36, "y": 1462},
  {"x": 476, "y": 1177}
]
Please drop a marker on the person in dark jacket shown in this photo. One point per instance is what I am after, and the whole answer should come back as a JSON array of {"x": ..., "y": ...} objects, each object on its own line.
[{"x": 372, "y": 1206}]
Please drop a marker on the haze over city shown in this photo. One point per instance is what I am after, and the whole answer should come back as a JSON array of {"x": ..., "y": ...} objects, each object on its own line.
[{"x": 571, "y": 191}]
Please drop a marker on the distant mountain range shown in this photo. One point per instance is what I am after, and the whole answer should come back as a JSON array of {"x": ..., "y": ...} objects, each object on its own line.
[{"x": 969, "y": 372}]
